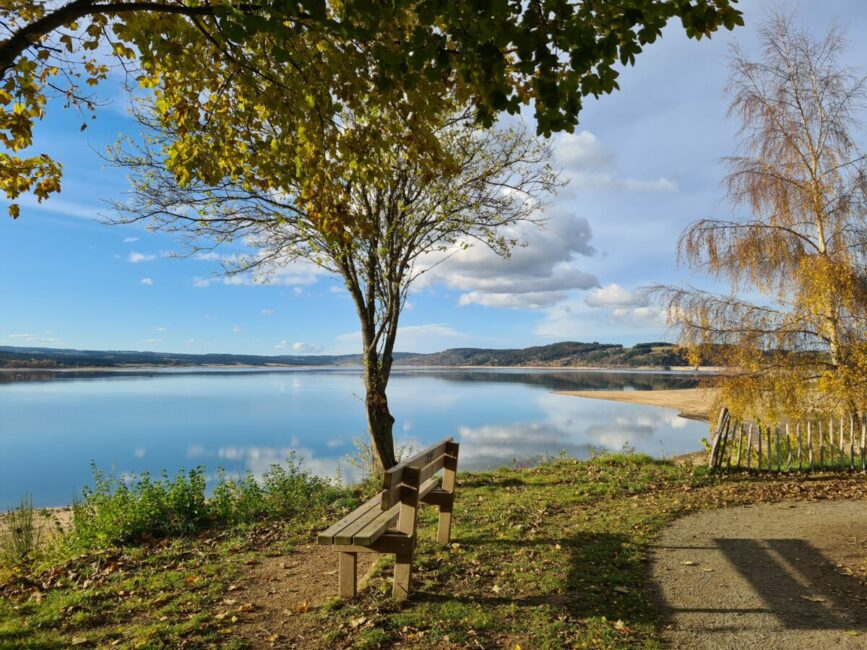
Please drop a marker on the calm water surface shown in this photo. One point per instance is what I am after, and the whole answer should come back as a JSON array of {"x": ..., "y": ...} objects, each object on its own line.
[{"x": 51, "y": 428}]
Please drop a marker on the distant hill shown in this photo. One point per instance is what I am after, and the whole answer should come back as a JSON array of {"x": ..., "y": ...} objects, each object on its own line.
[
  {"x": 566, "y": 354},
  {"x": 16, "y": 357}
]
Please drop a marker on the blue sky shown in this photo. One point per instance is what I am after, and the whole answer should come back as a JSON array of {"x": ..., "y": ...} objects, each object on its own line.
[{"x": 643, "y": 164}]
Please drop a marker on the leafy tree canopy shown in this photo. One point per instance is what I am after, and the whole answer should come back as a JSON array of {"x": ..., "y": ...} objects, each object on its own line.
[{"x": 200, "y": 57}]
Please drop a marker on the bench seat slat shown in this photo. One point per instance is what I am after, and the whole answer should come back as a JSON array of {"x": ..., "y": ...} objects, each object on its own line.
[
  {"x": 371, "y": 505},
  {"x": 373, "y": 529},
  {"x": 391, "y": 541},
  {"x": 349, "y": 531}
]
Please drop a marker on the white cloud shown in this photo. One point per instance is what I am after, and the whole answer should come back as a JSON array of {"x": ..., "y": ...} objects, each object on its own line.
[
  {"x": 162, "y": 329},
  {"x": 152, "y": 341},
  {"x": 130, "y": 240},
  {"x": 147, "y": 281},
  {"x": 135, "y": 258},
  {"x": 282, "y": 345},
  {"x": 201, "y": 283},
  {"x": 613, "y": 295},
  {"x": 298, "y": 290},
  {"x": 590, "y": 166},
  {"x": 580, "y": 151},
  {"x": 613, "y": 311},
  {"x": 306, "y": 348},
  {"x": 559, "y": 278},
  {"x": 267, "y": 312},
  {"x": 539, "y": 273},
  {"x": 210, "y": 256},
  {"x": 237, "y": 329}
]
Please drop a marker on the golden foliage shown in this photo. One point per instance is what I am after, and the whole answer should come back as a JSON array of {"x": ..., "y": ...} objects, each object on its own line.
[{"x": 797, "y": 344}]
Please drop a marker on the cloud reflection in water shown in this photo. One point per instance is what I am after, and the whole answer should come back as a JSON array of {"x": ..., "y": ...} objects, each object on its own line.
[{"x": 577, "y": 426}]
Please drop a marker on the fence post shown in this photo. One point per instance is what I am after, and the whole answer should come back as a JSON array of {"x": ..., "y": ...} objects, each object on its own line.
[
  {"x": 715, "y": 441},
  {"x": 740, "y": 444},
  {"x": 863, "y": 441},
  {"x": 821, "y": 447},
  {"x": 749, "y": 445},
  {"x": 798, "y": 433}
]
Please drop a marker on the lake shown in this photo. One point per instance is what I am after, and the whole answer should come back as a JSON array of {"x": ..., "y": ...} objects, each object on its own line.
[{"x": 54, "y": 425}]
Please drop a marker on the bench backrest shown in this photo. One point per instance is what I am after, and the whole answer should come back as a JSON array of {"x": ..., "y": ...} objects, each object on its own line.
[{"x": 417, "y": 469}]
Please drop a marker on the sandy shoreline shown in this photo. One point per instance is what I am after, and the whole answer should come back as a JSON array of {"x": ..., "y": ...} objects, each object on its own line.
[{"x": 693, "y": 403}]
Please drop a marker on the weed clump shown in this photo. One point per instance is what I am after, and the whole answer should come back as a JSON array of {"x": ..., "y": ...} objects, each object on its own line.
[{"x": 20, "y": 534}]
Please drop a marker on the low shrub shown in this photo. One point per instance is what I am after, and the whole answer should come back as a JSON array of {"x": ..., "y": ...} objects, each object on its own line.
[
  {"x": 132, "y": 509},
  {"x": 119, "y": 510},
  {"x": 285, "y": 491}
]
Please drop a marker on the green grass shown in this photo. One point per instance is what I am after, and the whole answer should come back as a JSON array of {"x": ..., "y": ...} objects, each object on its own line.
[
  {"x": 551, "y": 557},
  {"x": 146, "y": 563}
]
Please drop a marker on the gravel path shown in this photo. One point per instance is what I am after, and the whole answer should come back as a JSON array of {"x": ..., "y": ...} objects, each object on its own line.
[{"x": 784, "y": 575}]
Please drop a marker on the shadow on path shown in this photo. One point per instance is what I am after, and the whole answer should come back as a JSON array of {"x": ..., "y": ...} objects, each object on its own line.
[{"x": 798, "y": 584}]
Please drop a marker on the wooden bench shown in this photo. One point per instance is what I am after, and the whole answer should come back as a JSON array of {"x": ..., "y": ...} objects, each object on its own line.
[{"x": 387, "y": 522}]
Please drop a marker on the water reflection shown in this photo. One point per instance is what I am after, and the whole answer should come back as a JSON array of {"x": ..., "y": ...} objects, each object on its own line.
[
  {"x": 50, "y": 431},
  {"x": 579, "y": 427}
]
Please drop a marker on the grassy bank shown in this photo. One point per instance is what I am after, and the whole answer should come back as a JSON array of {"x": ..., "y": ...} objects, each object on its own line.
[{"x": 549, "y": 557}]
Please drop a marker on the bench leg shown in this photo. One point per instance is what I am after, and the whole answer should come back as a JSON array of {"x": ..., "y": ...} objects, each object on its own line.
[
  {"x": 347, "y": 574},
  {"x": 444, "y": 529},
  {"x": 402, "y": 575}
]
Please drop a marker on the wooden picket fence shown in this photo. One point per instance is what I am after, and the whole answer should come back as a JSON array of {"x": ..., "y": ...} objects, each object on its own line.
[{"x": 823, "y": 443}]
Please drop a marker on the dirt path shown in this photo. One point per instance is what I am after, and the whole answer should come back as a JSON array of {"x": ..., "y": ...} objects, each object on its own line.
[
  {"x": 692, "y": 403},
  {"x": 786, "y": 575}
]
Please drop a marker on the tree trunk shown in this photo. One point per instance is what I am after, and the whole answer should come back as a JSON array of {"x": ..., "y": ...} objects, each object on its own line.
[{"x": 380, "y": 422}]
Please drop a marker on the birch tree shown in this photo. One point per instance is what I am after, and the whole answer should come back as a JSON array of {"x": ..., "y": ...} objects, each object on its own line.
[{"x": 800, "y": 175}]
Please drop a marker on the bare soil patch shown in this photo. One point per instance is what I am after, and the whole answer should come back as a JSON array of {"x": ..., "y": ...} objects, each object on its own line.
[
  {"x": 785, "y": 575},
  {"x": 276, "y": 590}
]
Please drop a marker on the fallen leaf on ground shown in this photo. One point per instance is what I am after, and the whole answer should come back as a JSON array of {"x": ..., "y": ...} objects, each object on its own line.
[{"x": 813, "y": 599}]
